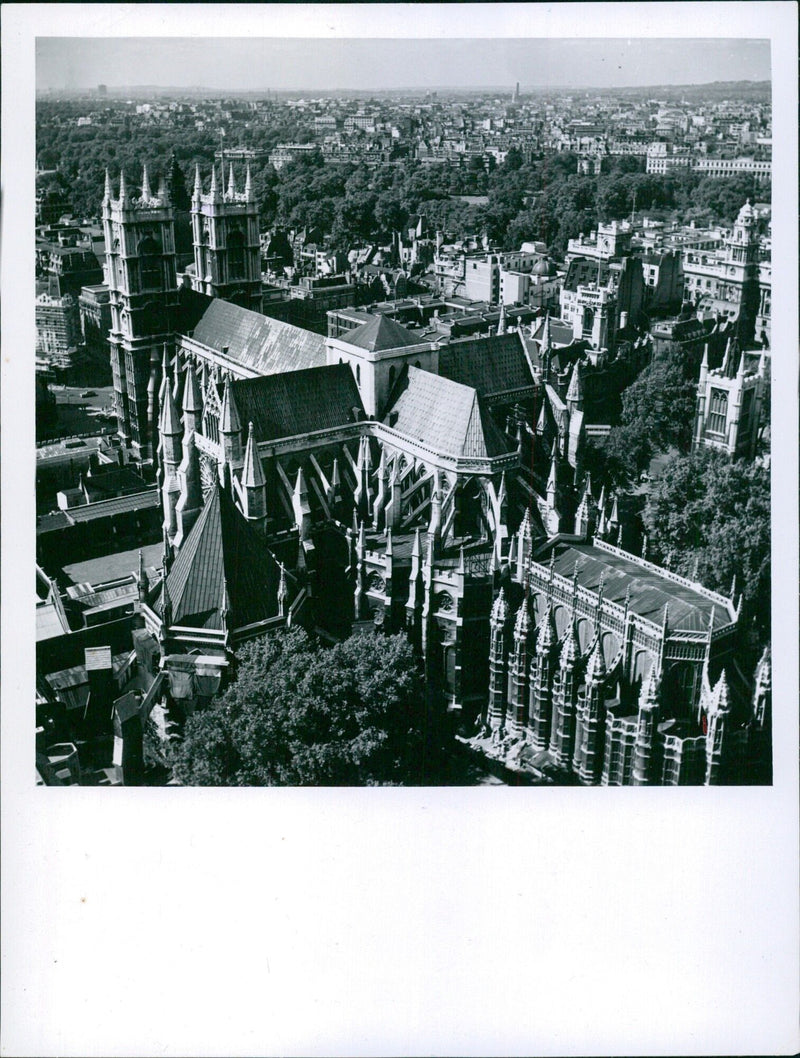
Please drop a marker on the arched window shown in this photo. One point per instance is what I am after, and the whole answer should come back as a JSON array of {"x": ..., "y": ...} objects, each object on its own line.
[
  {"x": 235, "y": 255},
  {"x": 358, "y": 374},
  {"x": 718, "y": 412},
  {"x": 150, "y": 260},
  {"x": 205, "y": 255}
]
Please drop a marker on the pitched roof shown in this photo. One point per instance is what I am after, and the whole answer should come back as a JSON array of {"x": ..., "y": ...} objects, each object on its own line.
[
  {"x": 381, "y": 332},
  {"x": 298, "y": 402},
  {"x": 489, "y": 365},
  {"x": 222, "y": 553},
  {"x": 258, "y": 342},
  {"x": 689, "y": 609},
  {"x": 560, "y": 332},
  {"x": 444, "y": 415}
]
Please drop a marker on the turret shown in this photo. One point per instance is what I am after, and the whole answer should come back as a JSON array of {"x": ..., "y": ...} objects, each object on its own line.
[
  {"x": 382, "y": 494},
  {"x": 362, "y": 495},
  {"x": 518, "y": 705},
  {"x": 646, "y": 730},
  {"x": 230, "y": 428},
  {"x": 498, "y": 652},
  {"x": 588, "y": 755},
  {"x": 540, "y": 709},
  {"x": 146, "y": 192},
  {"x": 192, "y": 401},
  {"x": 716, "y": 740},
  {"x": 565, "y": 692},
  {"x": 302, "y": 508},
  {"x": 252, "y": 487}
]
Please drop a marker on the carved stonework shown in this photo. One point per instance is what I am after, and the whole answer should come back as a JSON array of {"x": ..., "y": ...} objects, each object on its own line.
[
  {"x": 444, "y": 602},
  {"x": 208, "y": 475},
  {"x": 376, "y": 583}
]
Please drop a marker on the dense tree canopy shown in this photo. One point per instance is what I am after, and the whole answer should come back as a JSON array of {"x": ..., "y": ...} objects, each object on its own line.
[
  {"x": 301, "y": 714},
  {"x": 657, "y": 414},
  {"x": 540, "y": 198},
  {"x": 713, "y": 515}
]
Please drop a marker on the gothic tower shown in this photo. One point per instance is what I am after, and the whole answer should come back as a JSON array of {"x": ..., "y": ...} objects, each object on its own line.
[
  {"x": 139, "y": 235},
  {"x": 227, "y": 252},
  {"x": 741, "y": 253}
]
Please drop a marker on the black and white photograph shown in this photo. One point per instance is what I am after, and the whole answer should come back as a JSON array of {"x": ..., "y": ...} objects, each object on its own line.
[
  {"x": 418, "y": 436},
  {"x": 403, "y": 414}
]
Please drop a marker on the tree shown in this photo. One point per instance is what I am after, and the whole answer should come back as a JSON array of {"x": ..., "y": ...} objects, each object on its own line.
[
  {"x": 712, "y": 514},
  {"x": 657, "y": 413},
  {"x": 301, "y": 714}
]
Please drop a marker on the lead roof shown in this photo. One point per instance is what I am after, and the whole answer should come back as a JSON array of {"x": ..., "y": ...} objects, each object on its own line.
[{"x": 258, "y": 342}]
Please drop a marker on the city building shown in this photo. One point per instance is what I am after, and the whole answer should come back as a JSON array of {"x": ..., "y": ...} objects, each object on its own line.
[
  {"x": 728, "y": 283},
  {"x": 730, "y": 401}
]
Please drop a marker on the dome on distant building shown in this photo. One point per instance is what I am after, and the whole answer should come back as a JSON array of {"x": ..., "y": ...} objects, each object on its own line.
[{"x": 544, "y": 267}]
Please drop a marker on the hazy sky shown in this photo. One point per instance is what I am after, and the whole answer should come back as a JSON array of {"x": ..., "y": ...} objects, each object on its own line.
[{"x": 296, "y": 63}]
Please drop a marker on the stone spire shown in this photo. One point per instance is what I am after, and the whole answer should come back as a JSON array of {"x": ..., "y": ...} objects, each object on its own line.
[
  {"x": 302, "y": 508},
  {"x": 198, "y": 184},
  {"x": 212, "y": 191},
  {"x": 646, "y": 729},
  {"x": 107, "y": 189},
  {"x": 251, "y": 488},
  {"x": 231, "y": 194},
  {"x": 575, "y": 390},
  {"x": 252, "y": 471},
  {"x": 123, "y": 190},
  {"x": 170, "y": 424},
  {"x": 230, "y": 426},
  {"x": 192, "y": 400},
  {"x": 248, "y": 184},
  {"x": 229, "y": 418},
  {"x": 146, "y": 192},
  {"x": 499, "y": 609}
]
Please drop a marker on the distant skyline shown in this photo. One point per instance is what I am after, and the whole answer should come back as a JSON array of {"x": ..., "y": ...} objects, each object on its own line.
[{"x": 366, "y": 64}]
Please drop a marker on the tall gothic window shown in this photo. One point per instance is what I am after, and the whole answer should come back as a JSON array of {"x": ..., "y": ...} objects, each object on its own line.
[
  {"x": 205, "y": 254},
  {"x": 718, "y": 412},
  {"x": 235, "y": 255},
  {"x": 150, "y": 258}
]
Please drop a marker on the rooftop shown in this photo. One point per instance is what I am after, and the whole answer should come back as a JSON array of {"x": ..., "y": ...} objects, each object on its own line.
[
  {"x": 381, "y": 332},
  {"x": 651, "y": 589},
  {"x": 258, "y": 342},
  {"x": 224, "y": 561},
  {"x": 299, "y": 402},
  {"x": 445, "y": 416},
  {"x": 489, "y": 365}
]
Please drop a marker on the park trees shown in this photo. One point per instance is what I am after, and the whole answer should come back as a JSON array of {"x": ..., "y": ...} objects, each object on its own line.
[
  {"x": 712, "y": 515},
  {"x": 301, "y": 714},
  {"x": 657, "y": 414}
]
